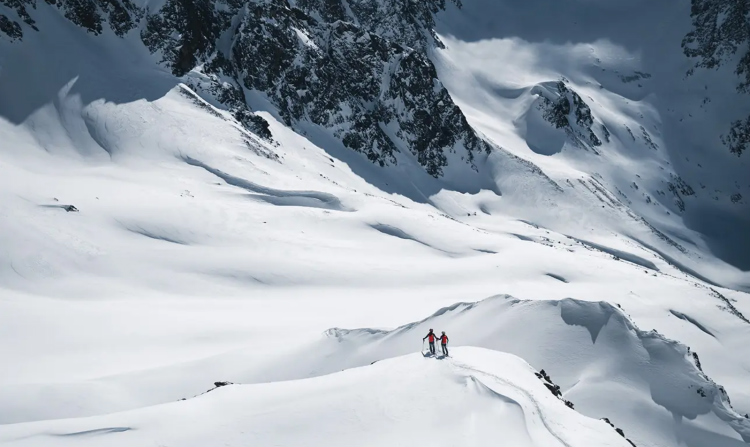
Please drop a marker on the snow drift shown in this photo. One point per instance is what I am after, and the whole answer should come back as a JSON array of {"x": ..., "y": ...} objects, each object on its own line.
[
  {"x": 161, "y": 229},
  {"x": 650, "y": 386},
  {"x": 477, "y": 398}
]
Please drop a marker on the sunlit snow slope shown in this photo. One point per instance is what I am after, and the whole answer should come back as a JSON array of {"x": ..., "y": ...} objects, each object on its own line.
[
  {"x": 150, "y": 245},
  {"x": 476, "y": 398},
  {"x": 660, "y": 160}
]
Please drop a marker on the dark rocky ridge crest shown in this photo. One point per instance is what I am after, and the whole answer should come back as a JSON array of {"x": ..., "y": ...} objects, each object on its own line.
[
  {"x": 565, "y": 109},
  {"x": 326, "y": 64},
  {"x": 186, "y": 31},
  {"x": 408, "y": 22},
  {"x": 358, "y": 68},
  {"x": 92, "y": 15},
  {"x": 10, "y": 28},
  {"x": 720, "y": 29}
]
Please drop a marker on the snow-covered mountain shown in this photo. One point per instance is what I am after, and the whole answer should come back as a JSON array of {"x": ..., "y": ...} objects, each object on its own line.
[
  {"x": 198, "y": 191},
  {"x": 479, "y": 397}
]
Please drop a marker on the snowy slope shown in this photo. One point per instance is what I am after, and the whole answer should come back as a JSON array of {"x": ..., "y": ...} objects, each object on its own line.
[
  {"x": 660, "y": 159},
  {"x": 201, "y": 251},
  {"x": 476, "y": 398},
  {"x": 652, "y": 387}
]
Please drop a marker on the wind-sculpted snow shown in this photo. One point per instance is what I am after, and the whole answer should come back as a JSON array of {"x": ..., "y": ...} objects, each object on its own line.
[
  {"x": 620, "y": 254},
  {"x": 162, "y": 230},
  {"x": 98, "y": 431},
  {"x": 197, "y": 201},
  {"x": 477, "y": 398},
  {"x": 396, "y": 232},
  {"x": 373, "y": 75},
  {"x": 659, "y": 131},
  {"x": 557, "y": 277},
  {"x": 275, "y": 196},
  {"x": 591, "y": 349},
  {"x": 358, "y": 68},
  {"x": 692, "y": 321}
]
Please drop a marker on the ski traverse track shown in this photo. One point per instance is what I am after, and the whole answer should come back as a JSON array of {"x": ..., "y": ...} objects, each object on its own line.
[
  {"x": 158, "y": 236},
  {"x": 583, "y": 346},
  {"x": 481, "y": 398},
  {"x": 538, "y": 411}
]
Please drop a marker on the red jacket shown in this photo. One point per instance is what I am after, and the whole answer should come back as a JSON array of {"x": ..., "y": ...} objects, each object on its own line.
[
  {"x": 444, "y": 339},
  {"x": 431, "y": 336}
]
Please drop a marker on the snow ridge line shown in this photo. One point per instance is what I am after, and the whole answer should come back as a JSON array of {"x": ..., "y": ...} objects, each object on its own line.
[
  {"x": 730, "y": 307},
  {"x": 542, "y": 417},
  {"x": 720, "y": 404}
]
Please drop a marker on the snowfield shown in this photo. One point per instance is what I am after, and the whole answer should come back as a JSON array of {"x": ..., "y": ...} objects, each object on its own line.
[
  {"x": 151, "y": 246},
  {"x": 478, "y": 397}
]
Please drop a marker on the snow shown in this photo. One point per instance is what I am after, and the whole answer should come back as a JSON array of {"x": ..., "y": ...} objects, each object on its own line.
[
  {"x": 603, "y": 363},
  {"x": 201, "y": 254},
  {"x": 629, "y": 68},
  {"x": 477, "y": 398},
  {"x": 305, "y": 39}
]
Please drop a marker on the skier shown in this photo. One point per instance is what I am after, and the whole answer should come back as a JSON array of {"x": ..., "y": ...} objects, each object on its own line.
[
  {"x": 431, "y": 336},
  {"x": 444, "y": 343}
]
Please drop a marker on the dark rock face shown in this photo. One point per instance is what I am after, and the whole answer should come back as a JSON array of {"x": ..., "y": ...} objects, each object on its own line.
[
  {"x": 10, "y": 28},
  {"x": 409, "y": 22},
  {"x": 19, "y": 7},
  {"x": 565, "y": 109},
  {"x": 738, "y": 138},
  {"x": 552, "y": 387},
  {"x": 376, "y": 95},
  {"x": 358, "y": 68},
  {"x": 720, "y": 28},
  {"x": 618, "y": 430},
  {"x": 679, "y": 188},
  {"x": 186, "y": 31},
  {"x": 121, "y": 15}
]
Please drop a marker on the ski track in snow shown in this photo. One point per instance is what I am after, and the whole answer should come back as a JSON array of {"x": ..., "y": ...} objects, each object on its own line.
[
  {"x": 537, "y": 410},
  {"x": 150, "y": 246},
  {"x": 611, "y": 338},
  {"x": 454, "y": 399}
]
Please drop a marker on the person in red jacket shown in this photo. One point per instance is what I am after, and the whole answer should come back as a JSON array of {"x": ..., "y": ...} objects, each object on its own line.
[
  {"x": 444, "y": 343},
  {"x": 431, "y": 336}
]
